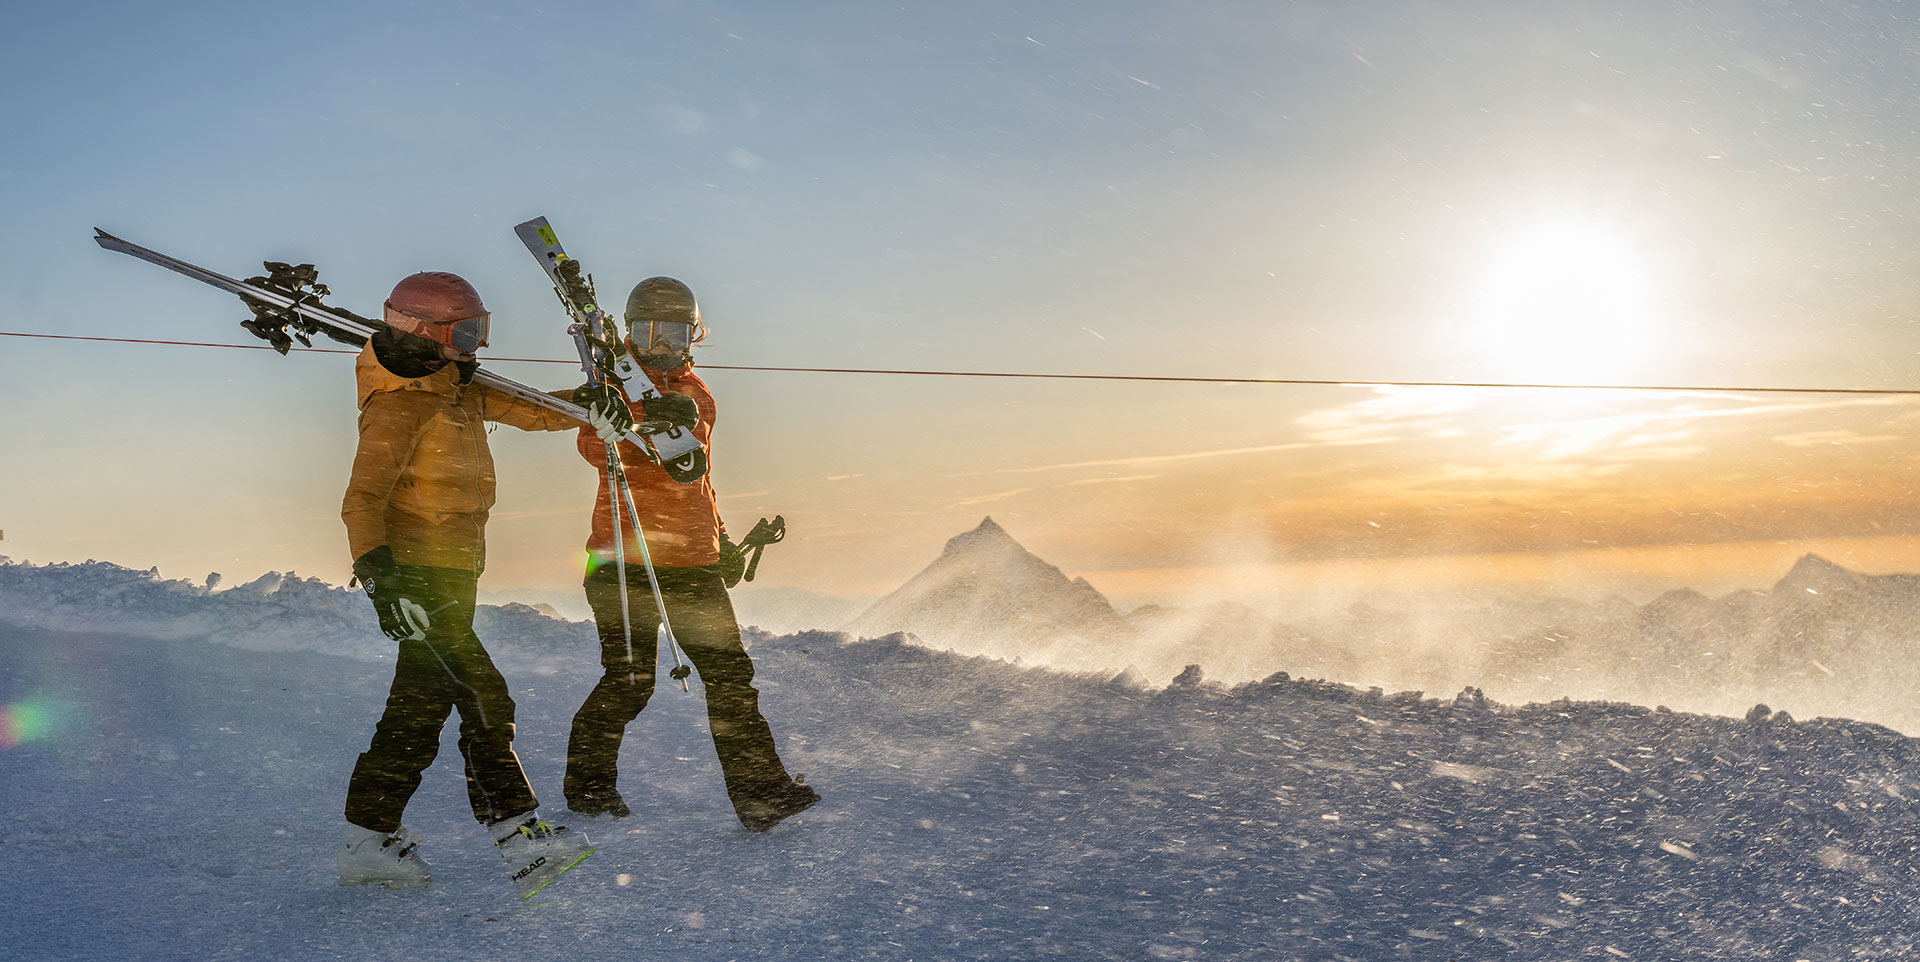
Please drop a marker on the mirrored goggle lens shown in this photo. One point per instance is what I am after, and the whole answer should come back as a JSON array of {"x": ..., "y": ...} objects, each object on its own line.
[
  {"x": 677, "y": 337},
  {"x": 470, "y": 335}
]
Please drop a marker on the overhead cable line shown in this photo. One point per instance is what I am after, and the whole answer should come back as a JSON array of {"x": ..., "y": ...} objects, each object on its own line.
[
  {"x": 1318, "y": 382},
  {"x": 139, "y": 340},
  {"x": 1326, "y": 382}
]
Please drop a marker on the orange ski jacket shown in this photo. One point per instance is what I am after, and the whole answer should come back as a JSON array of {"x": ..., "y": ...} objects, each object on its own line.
[
  {"x": 423, "y": 480},
  {"x": 682, "y": 521}
]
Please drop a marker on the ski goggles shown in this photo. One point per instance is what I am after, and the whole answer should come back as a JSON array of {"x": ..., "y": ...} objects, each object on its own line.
[
  {"x": 466, "y": 335},
  {"x": 469, "y": 335},
  {"x": 675, "y": 335}
]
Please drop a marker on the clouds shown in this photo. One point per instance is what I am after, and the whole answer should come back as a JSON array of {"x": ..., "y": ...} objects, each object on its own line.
[
  {"x": 987, "y": 498},
  {"x": 1668, "y": 427},
  {"x": 1122, "y": 479},
  {"x": 684, "y": 120},
  {"x": 1145, "y": 458},
  {"x": 1596, "y": 426},
  {"x": 746, "y": 160},
  {"x": 1841, "y": 437},
  {"x": 1395, "y": 414},
  {"x": 1470, "y": 470},
  {"x": 1402, "y": 472}
]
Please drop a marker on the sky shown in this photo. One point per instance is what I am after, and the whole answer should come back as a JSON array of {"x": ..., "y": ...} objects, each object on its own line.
[{"x": 1712, "y": 194}]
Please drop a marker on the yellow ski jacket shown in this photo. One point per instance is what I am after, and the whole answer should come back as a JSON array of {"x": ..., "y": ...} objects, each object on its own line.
[{"x": 423, "y": 480}]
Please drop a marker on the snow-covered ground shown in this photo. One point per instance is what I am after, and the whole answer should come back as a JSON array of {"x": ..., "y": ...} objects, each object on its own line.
[{"x": 168, "y": 796}]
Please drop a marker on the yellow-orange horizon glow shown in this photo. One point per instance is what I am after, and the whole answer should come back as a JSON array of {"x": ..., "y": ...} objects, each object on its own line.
[{"x": 1637, "y": 573}]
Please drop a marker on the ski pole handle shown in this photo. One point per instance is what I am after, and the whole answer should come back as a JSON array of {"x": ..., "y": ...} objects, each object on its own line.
[{"x": 763, "y": 534}]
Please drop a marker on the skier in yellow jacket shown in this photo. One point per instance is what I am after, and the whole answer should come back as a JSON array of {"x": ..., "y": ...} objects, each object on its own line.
[{"x": 416, "y": 514}]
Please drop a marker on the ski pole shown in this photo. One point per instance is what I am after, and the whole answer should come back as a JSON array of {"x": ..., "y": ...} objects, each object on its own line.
[
  {"x": 614, "y": 467},
  {"x": 756, "y": 541},
  {"x": 617, "y": 475},
  {"x": 479, "y": 706},
  {"x": 620, "y": 563},
  {"x": 680, "y": 669}
]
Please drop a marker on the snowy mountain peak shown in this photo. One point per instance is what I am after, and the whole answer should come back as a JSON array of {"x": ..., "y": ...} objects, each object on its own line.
[
  {"x": 988, "y": 550},
  {"x": 986, "y": 534},
  {"x": 986, "y": 594},
  {"x": 1815, "y": 575}
]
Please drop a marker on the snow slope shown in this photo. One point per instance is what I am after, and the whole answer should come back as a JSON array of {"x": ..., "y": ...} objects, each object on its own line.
[{"x": 173, "y": 797}]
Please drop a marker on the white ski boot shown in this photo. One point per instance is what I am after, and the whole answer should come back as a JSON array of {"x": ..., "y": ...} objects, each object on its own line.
[
  {"x": 535, "y": 852},
  {"x": 367, "y": 857}
]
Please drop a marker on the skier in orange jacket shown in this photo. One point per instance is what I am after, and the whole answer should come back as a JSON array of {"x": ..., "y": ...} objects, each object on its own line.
[{"x": 687, "y": 543}]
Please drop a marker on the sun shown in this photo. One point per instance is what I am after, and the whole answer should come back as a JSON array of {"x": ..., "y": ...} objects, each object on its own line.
[{"x": 1565, "y": 302}]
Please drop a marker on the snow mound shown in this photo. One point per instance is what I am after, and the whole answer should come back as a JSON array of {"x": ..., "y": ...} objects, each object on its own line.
[{"x": 274, "y": 612}]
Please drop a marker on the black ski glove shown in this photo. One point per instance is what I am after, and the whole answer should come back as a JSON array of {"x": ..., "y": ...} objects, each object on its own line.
[
  {"x": 402, "y": 618},
  {"x": 738, "y": 561},
  {"x": 605, "y": 400},
  {"x": 678, "y": 410},
  {"x": 733, "y": 561}
]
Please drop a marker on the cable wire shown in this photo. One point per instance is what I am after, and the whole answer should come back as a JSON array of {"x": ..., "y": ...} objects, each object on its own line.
[{"x": 1318, "y": 382}]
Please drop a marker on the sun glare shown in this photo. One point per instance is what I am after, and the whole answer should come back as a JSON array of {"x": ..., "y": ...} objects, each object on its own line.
[{"x": 1562, "y": 303}]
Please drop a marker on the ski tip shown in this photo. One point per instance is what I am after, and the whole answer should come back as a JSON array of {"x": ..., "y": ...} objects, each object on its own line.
[
  {"x": 113, "y": 243},
  {"x": 555, "y": 876}
]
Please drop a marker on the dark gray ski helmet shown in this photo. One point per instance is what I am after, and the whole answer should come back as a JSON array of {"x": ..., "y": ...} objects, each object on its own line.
[{"x": 663, "y": 309}]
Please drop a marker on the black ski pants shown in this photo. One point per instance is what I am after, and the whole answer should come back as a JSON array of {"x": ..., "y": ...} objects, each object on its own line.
[
  {"x": 447, "y": 671},
  {"x": 703, "y": 622}
]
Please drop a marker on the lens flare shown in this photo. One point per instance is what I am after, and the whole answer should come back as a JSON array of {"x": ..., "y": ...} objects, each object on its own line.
[{"x": 25, "y": 721}]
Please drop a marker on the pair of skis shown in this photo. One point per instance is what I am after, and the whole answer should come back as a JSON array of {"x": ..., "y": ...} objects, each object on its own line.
[{"x": 288, "y": 298}]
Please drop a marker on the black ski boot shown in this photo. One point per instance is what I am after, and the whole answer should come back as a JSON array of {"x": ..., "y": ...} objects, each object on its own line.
[
  {"x": 784, "y": 801},
  {"x": 603, "y": 802}
]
